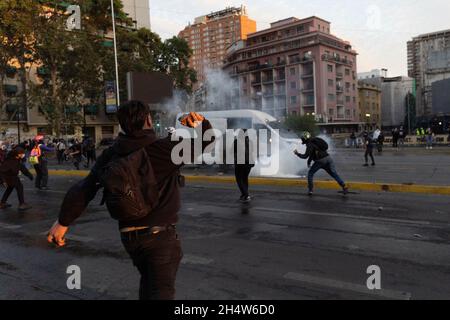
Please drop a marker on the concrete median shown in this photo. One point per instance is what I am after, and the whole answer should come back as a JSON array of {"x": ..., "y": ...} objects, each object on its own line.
[{"x": 290, "y": 182}]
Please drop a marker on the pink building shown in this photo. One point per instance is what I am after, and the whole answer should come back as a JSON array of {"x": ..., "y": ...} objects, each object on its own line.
[{"x": 297, "y": 67}]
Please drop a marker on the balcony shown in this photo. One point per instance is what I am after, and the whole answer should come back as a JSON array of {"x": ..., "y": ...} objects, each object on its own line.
[
  {"x": 339, "y": 75},
  {"x": 256, "y": 82},
  {"x": 10, "y": 89},
  {"x": 307, "y": 75},
  {"x": 91, "y": 109},
  {"x": 72, "y": 109},
  {"x": 11, "y": 108},
  {"x": 336, "y": 59},
  {"x": 339, "y": 89},
  {"x": 268, "y": 80}
]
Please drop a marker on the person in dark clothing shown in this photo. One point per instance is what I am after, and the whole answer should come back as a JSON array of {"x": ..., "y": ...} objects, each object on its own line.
[
  {"x": 380, "y": 142},
  {"x": 40, "y": 150},
  {"x": 89, "y": 151},
  {"x": 395, "y": 137},
  {"x": 76, "y": 153},
  {"x": 322, "y": 160},
  {"x": 243, "y": 163},
  {"x": 152, "y": 241},
  {"x": 353, "y": 142},
  {"x": 9, "y": 172},
  {"x": 369, "y": 143},
  {"x": 60, "y": 150}
]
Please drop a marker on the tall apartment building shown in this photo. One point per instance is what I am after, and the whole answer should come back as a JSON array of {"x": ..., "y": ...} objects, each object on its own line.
[
  {"x": 297, "y": 67},
  {"x": 428, "y": 62},
  {"x": 210, "y": 36},
  {"x": 139, "y": 11}
]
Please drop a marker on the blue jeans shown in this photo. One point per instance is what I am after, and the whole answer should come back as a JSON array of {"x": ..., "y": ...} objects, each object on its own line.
[{"x": 326, "y": 164}]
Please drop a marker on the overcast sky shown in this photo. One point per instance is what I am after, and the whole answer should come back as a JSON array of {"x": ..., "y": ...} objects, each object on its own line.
[{"x": 377, "y": 29}]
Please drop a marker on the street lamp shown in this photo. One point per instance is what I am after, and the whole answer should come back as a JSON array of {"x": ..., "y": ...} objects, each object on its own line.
[{"x": 115, "y": 53}]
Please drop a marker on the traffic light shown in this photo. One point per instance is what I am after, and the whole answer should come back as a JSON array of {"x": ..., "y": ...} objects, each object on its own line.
[{"x": 74, "y": 20}]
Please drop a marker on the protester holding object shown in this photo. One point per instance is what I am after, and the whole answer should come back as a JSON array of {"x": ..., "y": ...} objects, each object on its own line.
[{"x": 141, "y": 189}]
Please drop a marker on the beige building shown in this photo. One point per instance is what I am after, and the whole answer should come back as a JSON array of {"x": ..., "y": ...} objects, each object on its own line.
[
  {"x": 210, "y": 36},
  {"x": 139, "y": 11},
  {"x": 369, "y": 106},
  {"x": 31, "y": 121}
]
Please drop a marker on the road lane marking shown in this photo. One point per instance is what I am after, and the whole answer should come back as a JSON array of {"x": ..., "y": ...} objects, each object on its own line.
[
  {"x": 9, "y": 226},
  {"x": 339, "y": 215},
  {"x": 192, "y": 259},
  {"x": 336, "y": 284}
]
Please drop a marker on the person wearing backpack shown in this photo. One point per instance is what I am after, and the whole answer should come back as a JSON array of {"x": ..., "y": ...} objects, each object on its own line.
[
  {"x": 141, "y": 189},
  {"x": 38, "y": 159},
  {"x": 9, "y": 171},
  {"x": 317, "y": 152}
]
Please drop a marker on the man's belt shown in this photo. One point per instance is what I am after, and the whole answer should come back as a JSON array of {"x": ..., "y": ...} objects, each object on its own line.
[{"x": 128, "y": 235}]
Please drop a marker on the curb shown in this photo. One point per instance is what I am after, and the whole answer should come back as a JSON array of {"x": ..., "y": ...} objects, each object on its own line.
[{"x": 359, "y": 186}]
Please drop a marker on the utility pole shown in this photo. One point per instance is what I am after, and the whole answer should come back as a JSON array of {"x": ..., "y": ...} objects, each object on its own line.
[{"x": 115, "y": 53}]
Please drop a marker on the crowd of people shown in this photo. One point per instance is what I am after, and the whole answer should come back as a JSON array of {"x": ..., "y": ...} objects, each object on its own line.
[{"x": 16, "y": 158}]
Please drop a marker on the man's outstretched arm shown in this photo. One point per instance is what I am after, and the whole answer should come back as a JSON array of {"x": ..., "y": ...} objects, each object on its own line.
[{"x": 76, "y": 201}]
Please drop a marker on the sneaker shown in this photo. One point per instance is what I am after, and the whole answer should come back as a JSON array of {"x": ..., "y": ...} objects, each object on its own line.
[
  {"x": 24, "y": 207},
  {"x": 366, "y": 165},
  {"x": 345, "y": 190},
  {"x": 45, "y": 188},
  {"x": 373, "y": 164},
  {"x": 310, "y": 193},
  {"x": 246, "y": 199},
  {"x": 5, "y": 205}
]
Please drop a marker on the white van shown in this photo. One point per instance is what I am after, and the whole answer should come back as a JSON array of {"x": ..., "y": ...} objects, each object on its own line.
[{"x": 257, "y": 120}]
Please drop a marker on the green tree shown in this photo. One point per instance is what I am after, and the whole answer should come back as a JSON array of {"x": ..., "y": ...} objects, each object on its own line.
[
  {"x": 300, "y": 124},
  {"x": 17, "y": 23},
  {"x": 175, "y": 61}
]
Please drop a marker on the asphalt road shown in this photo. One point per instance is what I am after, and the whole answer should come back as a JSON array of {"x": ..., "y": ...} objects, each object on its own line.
[
  {"x": 411, "y": 165},
  {"x": 282, "y": 246}
]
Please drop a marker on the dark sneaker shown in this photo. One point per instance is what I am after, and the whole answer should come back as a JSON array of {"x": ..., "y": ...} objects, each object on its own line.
[
  {"x": 24, "y": 207},
  {"x": 5, "y": 205},
  {"x": 373, "y": 164},
  {"x": 310, "y": 193},
  {"x": 345, "y": 190},
  {"x": 366, "y": 165},
  {"x": 45, "y": 188},
  {"x": 246, "y": 199}
]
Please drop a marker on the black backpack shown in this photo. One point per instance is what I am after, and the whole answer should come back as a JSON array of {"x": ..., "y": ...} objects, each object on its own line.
[
  {"x": 321, "y": 144},
  {"x": 130, "y": 188}
]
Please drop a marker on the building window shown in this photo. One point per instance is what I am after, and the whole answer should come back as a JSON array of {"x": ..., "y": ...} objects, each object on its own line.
[
  {"x": 347, "y": 72},
  {"x": 293, "y": 99},
  {"x": 347, "y": 113},
  {"x": 347, "y": 99},
  {"x": 292, "y": 71},
  {"x": 330, "y": 83},
  {"x": 330, "y": 97},
  {"x": 331, "y": 112},
  {"x": 330, "y": 68},
  {"x": 293, "y": 85}
]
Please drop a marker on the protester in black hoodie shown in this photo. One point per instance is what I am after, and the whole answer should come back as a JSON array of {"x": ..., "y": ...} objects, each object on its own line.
[
  {"x": 151, "y": 241},
  {"x": 9, "y": 172}
]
